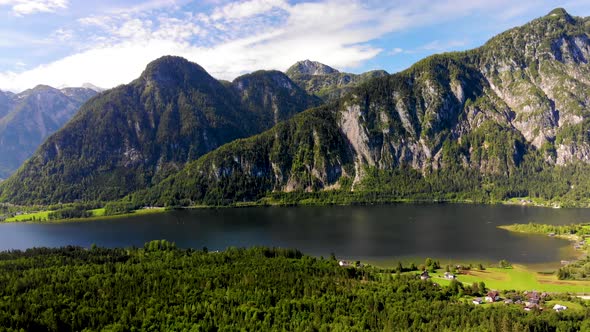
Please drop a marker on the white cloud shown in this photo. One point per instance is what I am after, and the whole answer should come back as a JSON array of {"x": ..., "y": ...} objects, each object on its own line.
[
  {"x": 62, "y": 35},
  {"x": 25, "y": 7},
  {"x": 99, "y": 21},
  {"x": 241, "y": 37},
  {"x": 145, "y": 6},
  {"x": 241, "y": 10},
  {"x": 396, "y": 51}
]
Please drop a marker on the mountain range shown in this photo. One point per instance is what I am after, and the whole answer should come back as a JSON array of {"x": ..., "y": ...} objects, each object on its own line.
[
  {"x": 135, "y": 135},
  {"x": 28, "y": 118},
  {"x": 507, "y": 119}
]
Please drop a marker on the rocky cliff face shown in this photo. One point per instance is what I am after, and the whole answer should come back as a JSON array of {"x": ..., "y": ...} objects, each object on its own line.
[
  {"x": 326, "y": 82},
  {"x": 27, "y": 118},
  {"x": 523, "y": 97}
]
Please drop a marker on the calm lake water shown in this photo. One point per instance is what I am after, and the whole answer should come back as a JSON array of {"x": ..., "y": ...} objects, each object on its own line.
[{"x": 374, "y": 233}]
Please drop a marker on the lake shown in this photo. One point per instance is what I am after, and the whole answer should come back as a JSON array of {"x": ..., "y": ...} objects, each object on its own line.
[{"x": 373, "y": 233}]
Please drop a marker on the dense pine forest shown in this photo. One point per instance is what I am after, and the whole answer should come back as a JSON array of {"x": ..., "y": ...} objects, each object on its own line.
[{"x": 162, "y": 288}]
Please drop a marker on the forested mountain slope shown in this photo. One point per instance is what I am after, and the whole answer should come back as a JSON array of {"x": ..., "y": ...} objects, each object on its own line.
[
  {"x": 141, "y": 132},
  {"x": 507, "y": 119}
]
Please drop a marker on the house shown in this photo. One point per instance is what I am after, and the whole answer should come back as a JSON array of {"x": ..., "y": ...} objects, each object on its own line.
[
  {"x": 344, "y": 263},
  {"x": 533, "y": 298},
  {"x": 493, "y": 296},
  {"x": 450, "y": 276},
  {"x": 424, "y": 275},
  {"x": 477, "y": 300},
  {"x": 509, "y": 301},
  {"x": 532, "y": 307},
  {"x": 559, "y": 307}
]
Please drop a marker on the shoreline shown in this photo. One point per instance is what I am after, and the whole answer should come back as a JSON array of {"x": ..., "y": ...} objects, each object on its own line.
[
  {"x": 580, "y": 246},
  {"x": 267, "y": 202}
]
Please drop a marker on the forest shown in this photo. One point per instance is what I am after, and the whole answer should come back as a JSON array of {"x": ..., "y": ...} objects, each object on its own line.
[{"x": 163, "y": 288}]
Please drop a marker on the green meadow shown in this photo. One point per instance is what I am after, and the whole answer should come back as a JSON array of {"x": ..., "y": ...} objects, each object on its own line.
[{"x": 517, "y": 278}]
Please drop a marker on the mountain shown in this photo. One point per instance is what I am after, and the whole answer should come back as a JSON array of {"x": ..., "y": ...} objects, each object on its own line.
[
  {"x": 80, "y": 95},
  {"x": 6, "y": 102},
  {"x": 326, "y": 82},
  {"x": 92, "y": 87},
  {"x": 27, "y": 118},
  {"x": 508, "y": 119},
  {"x": 139, "y": 133},
  {"x": 272, "y": 97}
]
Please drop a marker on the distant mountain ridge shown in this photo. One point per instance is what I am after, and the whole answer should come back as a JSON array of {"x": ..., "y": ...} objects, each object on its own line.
[
  {"x": 27, "y": 118},
  {"x": 326, "y": 82}
]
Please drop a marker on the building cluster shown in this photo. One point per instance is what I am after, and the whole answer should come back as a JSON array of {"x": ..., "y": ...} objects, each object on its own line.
[{"x": 529, "y": 300}]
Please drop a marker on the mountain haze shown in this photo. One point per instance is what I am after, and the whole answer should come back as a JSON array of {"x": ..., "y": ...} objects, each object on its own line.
[
  {"x": 29, "y": 117},
  {"x": 132, "y": 135}
]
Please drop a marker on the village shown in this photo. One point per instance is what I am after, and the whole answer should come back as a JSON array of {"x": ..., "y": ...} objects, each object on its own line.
[
  {"x": 477, "y": 293},
  {"x": 528, "y": 300}
]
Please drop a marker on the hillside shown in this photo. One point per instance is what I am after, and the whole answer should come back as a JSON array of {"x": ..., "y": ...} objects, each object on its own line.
[
  {"x": 507, "y": 119},
  {"x": 28, "y": 118},
  {"x": 139, "y": 133}
]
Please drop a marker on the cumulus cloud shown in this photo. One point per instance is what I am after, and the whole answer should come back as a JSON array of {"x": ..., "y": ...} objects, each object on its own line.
[{"x": 25, "y": 7}]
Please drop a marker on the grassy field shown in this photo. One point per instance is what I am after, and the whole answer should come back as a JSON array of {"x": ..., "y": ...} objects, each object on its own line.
[
  {"x": 97, "y": 214},
  {"x": 517, "y": 278},
  {"x": 570, "y": 305},
  {"x": 36, "y": 216}
]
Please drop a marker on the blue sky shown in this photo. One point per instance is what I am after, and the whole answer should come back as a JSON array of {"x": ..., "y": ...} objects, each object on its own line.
[{"x": 107, "y": 43}]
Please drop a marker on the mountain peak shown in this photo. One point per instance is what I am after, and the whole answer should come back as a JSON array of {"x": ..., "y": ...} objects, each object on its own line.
[
  {"x": 92, "y": 87},
  {"x": 173, "y": 69},
  {"x": 308, "y": 67},
  {"x": 42, "y": 87},
  {"x": 561, "y": 14}
]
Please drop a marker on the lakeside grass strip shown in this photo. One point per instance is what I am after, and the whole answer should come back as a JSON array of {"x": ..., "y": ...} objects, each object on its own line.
[{"x": 97, "y": 214}]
